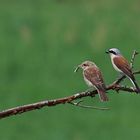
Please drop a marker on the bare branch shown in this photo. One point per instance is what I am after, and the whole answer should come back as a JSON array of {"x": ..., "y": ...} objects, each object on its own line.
[
  {"x": 29, "y": 107},
  {"x": 39, "y": 105},
  {"x": 133, "y": 58}
]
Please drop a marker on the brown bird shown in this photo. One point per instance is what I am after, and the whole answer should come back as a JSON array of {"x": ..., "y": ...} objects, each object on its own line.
[
  {"x": 93, "y": 78},
  {"x": 121, "y": 65}
]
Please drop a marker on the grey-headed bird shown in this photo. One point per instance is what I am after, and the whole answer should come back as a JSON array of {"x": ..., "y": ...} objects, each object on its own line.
[
  {"x": 121, "y": 65},
  {"x": 93, "y": 78}
]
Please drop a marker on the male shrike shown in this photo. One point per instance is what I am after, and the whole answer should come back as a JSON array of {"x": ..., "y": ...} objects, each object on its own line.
[
  {"x": 121, "y": 65},
  {"x": 93, "y": 78}
]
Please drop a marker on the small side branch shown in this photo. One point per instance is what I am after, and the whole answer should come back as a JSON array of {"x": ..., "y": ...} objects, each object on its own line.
[
  {"x": 133, "y": 58},
  {"x": 86, "y": 106}
]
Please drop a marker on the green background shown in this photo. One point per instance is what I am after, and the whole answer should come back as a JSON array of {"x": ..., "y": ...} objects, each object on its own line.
[{"x": 41, "y": 42}]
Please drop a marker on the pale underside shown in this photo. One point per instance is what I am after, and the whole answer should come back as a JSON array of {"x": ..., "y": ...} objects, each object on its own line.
[{"x": 117, "y": 69}]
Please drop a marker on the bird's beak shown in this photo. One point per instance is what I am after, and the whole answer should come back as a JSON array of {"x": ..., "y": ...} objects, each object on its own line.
[
  {"x": 107, "y": 51},
  {"x": 77, "y": 68}
]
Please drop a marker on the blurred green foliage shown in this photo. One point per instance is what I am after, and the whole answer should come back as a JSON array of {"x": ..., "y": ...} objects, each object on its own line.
[{"x": 41, "y": 42}]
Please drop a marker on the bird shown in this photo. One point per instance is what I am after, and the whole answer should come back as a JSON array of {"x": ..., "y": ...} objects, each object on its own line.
[
  {"x": 121, "y": 65},
  {"x": 93, "y": 78}
]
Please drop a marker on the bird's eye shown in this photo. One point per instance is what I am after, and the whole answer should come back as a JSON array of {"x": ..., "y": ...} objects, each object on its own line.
[{"x": 85, "y": 65}]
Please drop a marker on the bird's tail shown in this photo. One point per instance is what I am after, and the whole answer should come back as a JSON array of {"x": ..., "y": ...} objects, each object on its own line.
[
  {"x": 135, "y": 85},
  {"x": 102, "y": 95}
]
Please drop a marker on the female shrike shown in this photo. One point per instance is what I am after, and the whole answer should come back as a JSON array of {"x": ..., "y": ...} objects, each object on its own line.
[
  {"x": 93, "y": 78},
  {"x": 121, "y": 65}
]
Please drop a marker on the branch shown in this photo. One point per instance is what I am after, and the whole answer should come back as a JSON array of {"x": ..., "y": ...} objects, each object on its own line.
[{"x": 29, "y": 107}]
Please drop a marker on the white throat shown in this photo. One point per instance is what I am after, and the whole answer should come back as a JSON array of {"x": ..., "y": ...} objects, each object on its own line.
[{"x": 115, "y": 67}]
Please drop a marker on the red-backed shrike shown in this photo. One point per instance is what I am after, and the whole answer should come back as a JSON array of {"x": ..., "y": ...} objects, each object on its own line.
[
  {"x": 93, "y": 78},
  {"x": 121, "y": 65}
]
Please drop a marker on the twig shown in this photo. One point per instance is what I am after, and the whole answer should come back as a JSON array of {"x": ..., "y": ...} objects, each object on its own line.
[
  {"x": 133, "y": 58},
  {"x": 89, "y": 107},
  {"x": 115, "y": 85}
]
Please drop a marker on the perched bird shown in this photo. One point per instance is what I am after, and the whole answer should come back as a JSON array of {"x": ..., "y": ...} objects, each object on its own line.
[
  {"x": 93, "y": 78},
  {"x": 121, "y": 65}
]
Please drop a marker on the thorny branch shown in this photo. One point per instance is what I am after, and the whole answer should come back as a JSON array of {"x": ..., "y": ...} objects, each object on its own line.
[{"x": 114, "y": 86}]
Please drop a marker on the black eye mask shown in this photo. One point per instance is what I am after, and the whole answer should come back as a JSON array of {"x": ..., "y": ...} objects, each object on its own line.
[{"x": 112, "y": 52}]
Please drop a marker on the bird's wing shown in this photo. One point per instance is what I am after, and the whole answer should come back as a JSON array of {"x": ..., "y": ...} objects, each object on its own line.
[
  {"x": 94, "y": 75},
  {"x": 123, "y": 65}
]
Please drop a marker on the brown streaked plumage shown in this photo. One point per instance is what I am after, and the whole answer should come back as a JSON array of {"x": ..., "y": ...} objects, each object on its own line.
[{"x": 93, "y": 77}]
